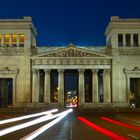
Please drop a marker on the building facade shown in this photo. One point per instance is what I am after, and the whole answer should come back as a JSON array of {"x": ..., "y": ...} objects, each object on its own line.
[{"x": 71, "y": 76}]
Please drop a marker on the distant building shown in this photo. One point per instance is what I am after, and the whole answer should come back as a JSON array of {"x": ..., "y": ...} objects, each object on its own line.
[{"x": 102, "y": 76}]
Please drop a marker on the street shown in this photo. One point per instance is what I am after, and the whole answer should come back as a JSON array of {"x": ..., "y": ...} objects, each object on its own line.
[{"x": 82, "y": 126}]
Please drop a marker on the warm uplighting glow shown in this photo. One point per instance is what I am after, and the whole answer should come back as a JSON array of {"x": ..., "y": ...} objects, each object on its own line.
[
  {"x": 0, "y": 39},
  {"x": 47, "y": 126},
  {"x": 21, "y": 40},
  {"x": 121, "y": 124},
  {"x": 6, "y": 40},
  {"x": 14, "y": 39},
  {"x": 27, "y": 116},
  {"x": 101, "y": 130}
]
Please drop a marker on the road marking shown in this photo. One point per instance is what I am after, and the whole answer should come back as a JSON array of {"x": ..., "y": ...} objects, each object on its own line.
[
  {"x": 27, "y": 116},
  {"x": 135, "y": 137},
  {"x": 106, "y": 132},
  {"x": 121, "y": 124}
]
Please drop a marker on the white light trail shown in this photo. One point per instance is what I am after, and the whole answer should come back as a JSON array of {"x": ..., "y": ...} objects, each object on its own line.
[
  {"x": 30, "y": 123},
  {"x": 27, "y": 116},
  {"x": 45, "y": 127}
]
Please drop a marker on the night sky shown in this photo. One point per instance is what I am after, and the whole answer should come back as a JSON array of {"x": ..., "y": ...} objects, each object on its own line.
[{"x": 60, "y": 22}]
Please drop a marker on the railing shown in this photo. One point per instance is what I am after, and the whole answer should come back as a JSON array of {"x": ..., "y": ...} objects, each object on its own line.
[
  {"x": 129, "y": 50},
  {"x": 11, "y": 51}
]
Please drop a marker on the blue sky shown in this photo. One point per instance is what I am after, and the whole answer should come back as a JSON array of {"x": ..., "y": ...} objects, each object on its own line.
[{"x": 60, "y": 22}]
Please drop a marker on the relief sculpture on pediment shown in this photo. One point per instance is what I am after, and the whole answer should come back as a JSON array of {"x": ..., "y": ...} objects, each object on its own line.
[{"x": 72, "y": 53}]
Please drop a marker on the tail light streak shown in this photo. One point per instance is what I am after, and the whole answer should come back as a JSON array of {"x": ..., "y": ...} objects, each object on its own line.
[
  {"x": 101, "y": 130},
  {"x": 121, "y": 124}
]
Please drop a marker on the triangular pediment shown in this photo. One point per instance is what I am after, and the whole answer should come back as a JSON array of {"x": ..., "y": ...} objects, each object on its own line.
[{"x": 71, "y": 52}]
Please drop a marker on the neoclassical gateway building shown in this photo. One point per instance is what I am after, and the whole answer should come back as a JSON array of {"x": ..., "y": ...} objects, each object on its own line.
[{"x": 71, "y": 76}]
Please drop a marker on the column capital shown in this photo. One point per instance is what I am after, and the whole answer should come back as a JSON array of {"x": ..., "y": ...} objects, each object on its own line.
[
  {"x": 95, "y": 70},
  {"x": 34, "y": 70},
  {"x": 47, "y": 70},
  {"x": 60, "y": 70},
  {"x": 81, "y": 70}
]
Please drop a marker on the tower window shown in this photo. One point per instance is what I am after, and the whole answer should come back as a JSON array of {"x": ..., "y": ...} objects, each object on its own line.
[
  {"x": 0, "y": 40},
  {"x": 14, "y": 40},
  {"x": 127, "y": 37},
  {"x": 21, "y": 40},
  {"x": 120, "y": 39},
  {"x": 135, "y": 39},
  {"x": 6, "y": 40}
]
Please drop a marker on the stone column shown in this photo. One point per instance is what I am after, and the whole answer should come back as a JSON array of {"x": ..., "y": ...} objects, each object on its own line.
[
  {"x": 132, "y": 41},
  {"x": 81, "y": 87},
  {"x": 2, "y": 41},
  {"x": 95, "y": 96},
  {"x": 17, "y": 40},
  {"x": 10, "y": 40},
  {"x": 35, "y": 86},
  {"x": 14, "y": 90},
  {"x": 107, "y": 87},
  {"x": 47, "y": 86},
  {"x": 128, "y": 92},
  {"x": 61, "y": 86},
  {"x": 139, "y": 39},
  {"x": 124, "y": 40}
]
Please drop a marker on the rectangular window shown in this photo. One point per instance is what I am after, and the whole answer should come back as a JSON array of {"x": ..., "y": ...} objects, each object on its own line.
[
  {"x": 135, "y": 39},
  {"x": 14, "y": 40},
  {"x": 21, "y": 40},
  {"x": 0, "y": 40},
  {"x": 6, "y": 40},
  {"x": 120, "y": 39},
  {"x": 128, "y": 40}
]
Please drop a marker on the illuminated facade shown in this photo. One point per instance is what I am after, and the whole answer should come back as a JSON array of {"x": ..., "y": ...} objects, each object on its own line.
[{"x": 89, "y": 77}]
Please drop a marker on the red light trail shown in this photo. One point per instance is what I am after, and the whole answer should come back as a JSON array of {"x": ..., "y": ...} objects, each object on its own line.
[
  {"x": 121, "y": 124},
  {"x": 101, "y": 130}
]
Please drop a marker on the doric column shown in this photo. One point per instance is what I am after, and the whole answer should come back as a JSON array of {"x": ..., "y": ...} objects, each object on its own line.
[
  {"x": 10, "y": 40},
  {"x": 47, "y": 86},
  {"x": 95, "y": 86},
  {"x": 2, "y": 41},
  {"x": 81, "y": 87},
  {"x": 35, "y": 86},
  {"x": 61, "y": 86},
  {"x": 124, "y": 40},
  {"x": 107, "y": 87},
  {"x": 132, "y": 41},
  {"x": 17, "y": 40}
]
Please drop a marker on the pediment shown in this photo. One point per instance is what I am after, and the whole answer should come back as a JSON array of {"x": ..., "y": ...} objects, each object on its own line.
[{"x": 71, "y": 52}]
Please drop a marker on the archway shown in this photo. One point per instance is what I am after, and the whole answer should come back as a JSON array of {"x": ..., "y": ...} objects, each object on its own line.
[{"x": 71, "y": 88}]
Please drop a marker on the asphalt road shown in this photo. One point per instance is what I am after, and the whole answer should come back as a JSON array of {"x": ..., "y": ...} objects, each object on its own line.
[{"x": 72, "y": 127}]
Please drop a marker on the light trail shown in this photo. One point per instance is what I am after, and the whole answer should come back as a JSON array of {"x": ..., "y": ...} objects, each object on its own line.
[
  {"x": 45, "y": 127},
  {"x": 121, "y": 124},
  {"x": 27, "y": 116},
  {"x": 30, "y": 123},
  {"x": 101, "y": 130}
]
